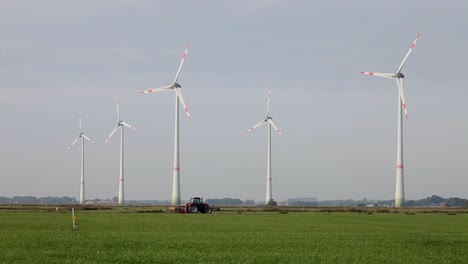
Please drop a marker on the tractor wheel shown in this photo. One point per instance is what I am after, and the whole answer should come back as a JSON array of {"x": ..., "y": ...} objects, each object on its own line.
[
  {"x": 193, "y": 209},
  {"x": 207, "y": 210}
]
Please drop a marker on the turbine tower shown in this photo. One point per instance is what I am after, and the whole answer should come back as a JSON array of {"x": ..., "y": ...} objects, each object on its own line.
[
  {"x": 81, "y": 136},
  {"x": 178, "y": 97},
  {"x": 268, "y": 119},
  {"x": 120, "y": 125},
  {"x": 398, "y": 76}
]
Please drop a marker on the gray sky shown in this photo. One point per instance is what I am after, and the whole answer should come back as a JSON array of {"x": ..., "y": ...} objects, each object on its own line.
[{"x": 61, "y": 57}]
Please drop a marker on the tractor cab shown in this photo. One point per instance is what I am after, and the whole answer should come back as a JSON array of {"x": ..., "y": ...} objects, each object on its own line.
[{"x": 196, "y": 200}]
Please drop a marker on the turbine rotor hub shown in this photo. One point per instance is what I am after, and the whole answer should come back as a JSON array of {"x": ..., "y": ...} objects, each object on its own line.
[{"x": 400, "y": 75}]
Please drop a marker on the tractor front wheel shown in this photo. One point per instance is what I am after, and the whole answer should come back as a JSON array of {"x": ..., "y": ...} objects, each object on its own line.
[{"x": 193, "y": 209}]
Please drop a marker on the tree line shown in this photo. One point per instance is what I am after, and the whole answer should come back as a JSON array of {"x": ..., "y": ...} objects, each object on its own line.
[{"x": 433, "y": 200}]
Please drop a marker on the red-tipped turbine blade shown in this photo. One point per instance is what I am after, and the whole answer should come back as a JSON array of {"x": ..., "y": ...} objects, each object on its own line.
[
  {"x": 73, "y": 143},
  {"x": 181, "y": 63},
  {"x": 407, "y": 54},
  {"x": 112, "y": 133},
  {"x": 255, "y": 126},
  {"x": 379, "y": 74},
  {"x": 181, "y": 98},
  {"x": 79, "y": 121},
  {"x": 87, "y": 138},
  {"x": 368, "y": 73},
  {"x": 274, "y": 126},
  {"x": 268, "y": 104},
  {"x": 117, "y": 104},
  {"x": 160, "y": 89},
  {"x": 402, "y": 96},
  {"x": 128, "y": 125}
]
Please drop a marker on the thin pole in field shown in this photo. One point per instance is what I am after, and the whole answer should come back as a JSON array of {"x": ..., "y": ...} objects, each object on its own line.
[{"x": 73, "y": 219}]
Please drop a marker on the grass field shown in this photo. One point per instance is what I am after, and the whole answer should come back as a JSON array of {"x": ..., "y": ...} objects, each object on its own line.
[{"x": 113, "y": 237}]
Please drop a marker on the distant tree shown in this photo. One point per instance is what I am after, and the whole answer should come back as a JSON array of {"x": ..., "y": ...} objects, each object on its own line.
[
  {"x": 249, "y": 202},
  {"x": 4, "y": 200},
  {"x": 25, "y": 200},
  {"x": 298, "y": 202},
  {"x": 436, "y": 199},
  {"x": 455, "y": 201},
  {"x": 271, "y": 203},
  {"x": 224, "y": 201},
  {"x": 348, "y": 202},
  {"x": 69, "y": 200},
  {"x": 47, "y": 200},
  {"x": 363, "y": 202}
]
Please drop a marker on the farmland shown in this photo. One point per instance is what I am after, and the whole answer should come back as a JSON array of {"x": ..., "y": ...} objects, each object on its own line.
[{"x": 128, "y": 235}]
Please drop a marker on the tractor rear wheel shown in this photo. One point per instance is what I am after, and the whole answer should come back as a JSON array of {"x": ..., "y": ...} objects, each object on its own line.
[
  {"x": 207, "y": 210},
  {"x": 193, "y": 209}
]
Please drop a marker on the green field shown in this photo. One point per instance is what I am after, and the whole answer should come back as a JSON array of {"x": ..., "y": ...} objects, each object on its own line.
[{"x": 119, "y": 237}]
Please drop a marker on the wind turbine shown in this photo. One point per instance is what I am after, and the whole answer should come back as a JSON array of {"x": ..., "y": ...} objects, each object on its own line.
[
  {"x": 268, "y": 119},
  {"x": 120, "y": 125},
  {"x": 81, "y": 136},
  {"x": 178, "y": 96},
  {"x": 398, "y": 76}
]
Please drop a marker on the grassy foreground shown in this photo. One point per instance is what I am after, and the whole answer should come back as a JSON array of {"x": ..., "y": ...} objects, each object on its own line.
[{"x": 46, "y": 237}]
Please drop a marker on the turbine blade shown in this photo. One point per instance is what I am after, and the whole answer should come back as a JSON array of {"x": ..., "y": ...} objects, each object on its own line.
[
  {"x": 73, "y": 143},
  {"x": 79, "y": 117},
  {"x": 408, "y": 53},
  {"x": 128, "y": 125},
  {"x": 379, "y": 74},
  {"x": 181, "y": 63},
  {"x": 268, "y": 104},
  {"x": 402, "y": 96},
  {"x": 274, "y": 126},
  {"x": 112, "y": 133},
  {"x": 118, "y": 112},
  {"x": 255, "y": 126},
  {"x": 181, "y": 98},
  {"x": 87, "y": 138},
  {"x": 160, "y": 89}
]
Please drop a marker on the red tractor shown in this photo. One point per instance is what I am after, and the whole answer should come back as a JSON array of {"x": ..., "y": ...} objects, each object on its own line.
[{"x": 196, "y": 205}]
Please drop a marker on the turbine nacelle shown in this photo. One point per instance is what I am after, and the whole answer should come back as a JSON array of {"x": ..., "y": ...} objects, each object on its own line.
[
  {"x": 176, "y": 85},
  {"x": 399, "y": 75}
]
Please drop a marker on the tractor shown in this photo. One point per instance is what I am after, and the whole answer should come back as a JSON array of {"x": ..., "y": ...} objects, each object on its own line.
[{"x": 196, "y": 205}]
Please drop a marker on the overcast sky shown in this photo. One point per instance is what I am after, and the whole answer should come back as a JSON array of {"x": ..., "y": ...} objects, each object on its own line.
[{"x": 61, "y": 57}]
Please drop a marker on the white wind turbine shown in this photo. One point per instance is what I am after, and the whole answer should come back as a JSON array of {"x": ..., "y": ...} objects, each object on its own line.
[
  {"x": 178, "y": 96},
  {"x": 120, "y": 125},
  {"x": 81, "y": 136},
  {"x": 268, "y": 119},
  {"x": 398, "y": 76}
]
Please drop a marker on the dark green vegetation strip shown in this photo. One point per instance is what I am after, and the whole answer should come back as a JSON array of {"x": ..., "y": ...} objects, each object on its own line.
[{"x": 45, "y": 237}]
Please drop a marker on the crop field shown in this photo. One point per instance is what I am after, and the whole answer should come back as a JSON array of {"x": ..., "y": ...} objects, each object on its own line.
[{"x": 121, "y": 236}]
